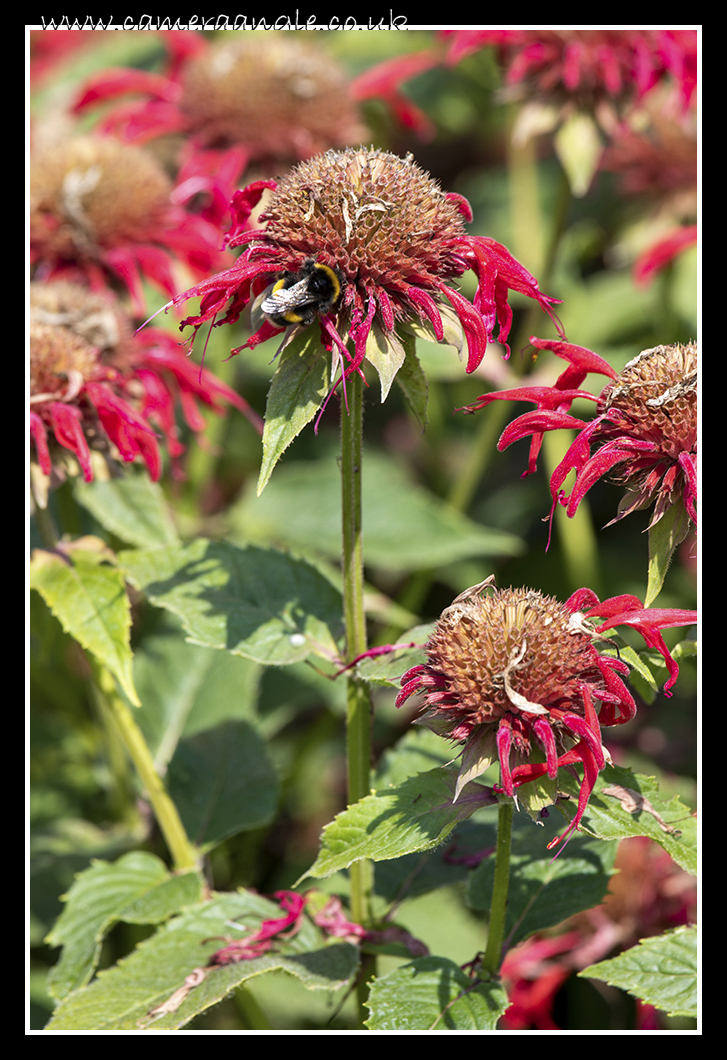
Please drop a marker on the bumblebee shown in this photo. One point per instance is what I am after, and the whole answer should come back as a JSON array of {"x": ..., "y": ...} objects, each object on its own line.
[{"x": 299, "y": 297}]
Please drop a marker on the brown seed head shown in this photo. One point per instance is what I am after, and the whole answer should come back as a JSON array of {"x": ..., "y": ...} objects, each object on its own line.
[
  {"x": 655, "y": 399},
  {"x": 89, "y": 193},
  {"x": 380, "y": 218},
  {"x": 514, "y": 643},
  {"x": 280, "y": 98}
]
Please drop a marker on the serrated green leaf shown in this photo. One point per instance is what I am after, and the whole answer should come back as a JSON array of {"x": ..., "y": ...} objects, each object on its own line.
[
  {"x": 89, "y": 599},
  {"x": 133, "y": 508},
  {"x": 407, "y": 528},
  {"x": 298, "y": 389},
  {"x": 607, "y": 815},
  {"x": 432, "y": 993},
  {"x": 414, "y": 875},
  {"x": 416, "y": 815},
  {"x": 121, "y": 997},
  {"x": 222, "y": 782},
  {"x": 260, "y": 603},
  {"x": 660, "y": 971},
  {"x": 137, "y": 888},
  {"x": 418, "y": 751},
  {"x": 546, "y": 890}
]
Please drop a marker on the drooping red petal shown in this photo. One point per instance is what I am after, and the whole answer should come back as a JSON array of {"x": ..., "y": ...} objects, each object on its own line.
[
  {"x": 66, "y": 422},
  {"x": 37, "y": 429}
]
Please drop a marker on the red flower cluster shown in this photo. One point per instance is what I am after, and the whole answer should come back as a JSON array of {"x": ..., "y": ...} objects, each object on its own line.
[
  {"x": 396, "y": 240},
  {"x": 516, "y": 671},
  {"x": 101, "y": 210},
  {"x": 271, "y": 100},
  {"x": 276, "y": 929},
  {"x": 645, "y": 427},
  {"x": 95, "y": 387}
]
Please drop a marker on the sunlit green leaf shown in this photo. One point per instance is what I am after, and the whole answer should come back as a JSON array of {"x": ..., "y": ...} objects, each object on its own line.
[
  {"x": 137, "y": 888},
  {"x": 88, "y": 597},
  {"x": 260, "y": 603},
  {"x": 121, "y": 997},
  {"x": 660, "y": 971},
  {"x": 432, "y": 993},
  {"x": 298, "y": 389}
]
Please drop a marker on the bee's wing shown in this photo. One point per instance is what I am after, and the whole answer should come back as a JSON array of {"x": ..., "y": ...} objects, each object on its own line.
[
  {"x": 257, "y": 316},
  {"x": 286, "y": 298}
]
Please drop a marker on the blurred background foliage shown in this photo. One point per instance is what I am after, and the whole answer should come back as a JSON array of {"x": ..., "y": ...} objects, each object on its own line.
[{"x": 436, "y": 518}]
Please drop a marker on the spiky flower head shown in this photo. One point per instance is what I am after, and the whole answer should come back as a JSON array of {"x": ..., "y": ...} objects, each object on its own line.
[
  {"x": 98, "y": 393},
  {"x": 280, "y": 97},
  {"x": 101, "y": 210},
  {"x": 594, "y": 67},
  {"x": 515, "y": 675},
  {"x": 644, "y": 434},
  {"x": 268, "y": 99},
  {"x": 398, "y": 244}
]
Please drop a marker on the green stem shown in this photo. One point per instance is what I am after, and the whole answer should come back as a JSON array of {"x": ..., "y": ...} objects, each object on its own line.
[
  {"x": 184, "y": 855},
  {"x": 493, "y": 954},
  {"x": 358, "y": 697}
]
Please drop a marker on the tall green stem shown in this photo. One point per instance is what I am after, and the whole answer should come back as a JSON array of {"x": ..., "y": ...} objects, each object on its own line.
[
  {"x": 496, "y": 932},
  {"x": 358, "y": 696},
  {"x": 184, "y": 855}
]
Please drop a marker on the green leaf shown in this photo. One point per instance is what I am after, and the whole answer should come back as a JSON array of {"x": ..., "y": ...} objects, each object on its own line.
[
  {"x": 133, "y": 508},
  {"x": 121, "y": 997},
  {"x": 298, "y": 389},
  {"x": 222, "y": 782},
  {"x": 624, "y": 804},
  {"x": 137, "y": 888},
  {"x": 185, "y": 689},
  {"x": 88, "y": 597},
  {"x": 256, "y": 602},
  {"x": 659, "y": 971},
  {"x": 414, "y": 875},
  {"x": 416, "y": 815},
  {"x": 407, "y": 528},
  {"x": 433, "y": 993},
  {"x": 413, "y": 381},
  {"x": 418, "y": 751},
  {"x": 664, "y": 538},
  {"x": 545, "y": 891}
]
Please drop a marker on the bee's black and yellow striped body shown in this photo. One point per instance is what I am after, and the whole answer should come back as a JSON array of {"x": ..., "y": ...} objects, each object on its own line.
[{"x": 299, "y": 297}]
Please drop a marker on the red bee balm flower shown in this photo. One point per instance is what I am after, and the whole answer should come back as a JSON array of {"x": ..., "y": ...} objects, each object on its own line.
[
  {"x": 516, "y": 676},
  {"x": 96, "y": 389},
  {"x": 269, "y": 99},
  {"x": 599, "y": 65},
  {"x": 100, "y": 207},
  {"x": 644, "y": 433},
  {"x": 393, "y": 240}
]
